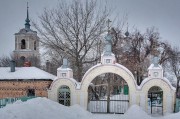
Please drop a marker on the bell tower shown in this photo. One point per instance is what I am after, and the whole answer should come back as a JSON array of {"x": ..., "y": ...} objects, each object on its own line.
[{"x": 26, "y": 44}]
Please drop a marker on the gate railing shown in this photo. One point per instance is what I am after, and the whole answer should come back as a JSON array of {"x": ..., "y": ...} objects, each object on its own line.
[
  {"x": 5, "y": 101},
  {"x": 156, "y": 102},
  {"x": 118, "y": 104},
  {"x": 177, "y": 108}
]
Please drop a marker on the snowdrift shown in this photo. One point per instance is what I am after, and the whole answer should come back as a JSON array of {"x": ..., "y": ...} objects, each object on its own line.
[
  {"x": 43, "y": 108},
  {"x": 135, "y": 112}
]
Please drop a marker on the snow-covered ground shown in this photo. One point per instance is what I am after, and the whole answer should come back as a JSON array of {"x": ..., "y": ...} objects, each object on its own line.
[{"x": 43, "y": 108}]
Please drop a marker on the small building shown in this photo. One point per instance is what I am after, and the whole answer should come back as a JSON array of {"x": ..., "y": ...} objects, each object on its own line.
[{"x": 24, "y": 81}]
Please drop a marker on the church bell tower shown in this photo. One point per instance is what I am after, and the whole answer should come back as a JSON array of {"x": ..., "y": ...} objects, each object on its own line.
[{"x": 26, "y": 44}]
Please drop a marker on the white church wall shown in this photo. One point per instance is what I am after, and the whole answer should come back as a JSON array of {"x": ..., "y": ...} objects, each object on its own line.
[{"x": 142, "y": 99}]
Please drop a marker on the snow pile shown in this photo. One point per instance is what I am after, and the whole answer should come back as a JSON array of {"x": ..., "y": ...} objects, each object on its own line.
[
  {"x": 81, "y": 113},
  {"x": 43, "y": 108},
  {"x": 172, "y": 116},
  {"x": 136, "y": 112}
]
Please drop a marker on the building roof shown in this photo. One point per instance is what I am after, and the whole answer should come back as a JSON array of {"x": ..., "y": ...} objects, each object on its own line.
[
  {"x": 26, "y": 31},
  {"x": 24, "y": 73},
  {"x": 153, "y": 67}
]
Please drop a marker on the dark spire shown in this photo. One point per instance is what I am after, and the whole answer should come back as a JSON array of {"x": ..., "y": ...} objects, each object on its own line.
[
  {"x": 108, "y": 24},
  {"x": 127, "y": 32},
  {"x": 27, "y": 25}
]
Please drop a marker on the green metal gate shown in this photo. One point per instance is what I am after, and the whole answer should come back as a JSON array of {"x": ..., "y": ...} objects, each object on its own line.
[
  {"x": 126, "y": 90},
  {"x": 156, "y": 102},
  {"x": 64, "y": 96},
  {"x": 177, "y": 105}
]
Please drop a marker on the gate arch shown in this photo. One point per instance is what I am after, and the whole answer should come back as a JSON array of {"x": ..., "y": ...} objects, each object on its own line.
[
  {"x": 109, "y": 68},
  {"x": 168, "y": 92},
  {"x": 54, "y": 89}
]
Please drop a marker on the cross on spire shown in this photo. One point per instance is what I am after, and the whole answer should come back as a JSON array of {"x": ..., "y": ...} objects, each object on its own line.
[
  {"x": 127, "y": 26},
  {"x": 27, "y": 25},
  {"x": 108, "y": 24},
  {"x": 27, "y": 10}
]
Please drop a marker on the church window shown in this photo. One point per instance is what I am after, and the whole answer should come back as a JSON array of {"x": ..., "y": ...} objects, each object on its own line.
[
  {"x": 34, "y": 45},
  {"x": 23, "y": 44}
]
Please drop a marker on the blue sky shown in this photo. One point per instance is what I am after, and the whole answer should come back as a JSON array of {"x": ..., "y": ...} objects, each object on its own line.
[{"x": 163, "y": 14}]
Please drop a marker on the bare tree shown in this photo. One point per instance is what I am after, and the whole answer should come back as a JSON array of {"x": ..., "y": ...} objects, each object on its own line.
[
  {"x": 165, "y": 52},
  {"x": 73, "y": 30},
  {"x": 134, "y": 50},
  {"x": 175, "y": 65},
  {"x": 5, "y": 61}
]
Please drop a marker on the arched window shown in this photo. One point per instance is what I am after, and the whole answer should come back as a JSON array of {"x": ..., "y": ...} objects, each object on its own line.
[
  {"x": 64, "y": 96},
  {"x": 34, "y": 45},
  {"x": 23, "y": 44}
]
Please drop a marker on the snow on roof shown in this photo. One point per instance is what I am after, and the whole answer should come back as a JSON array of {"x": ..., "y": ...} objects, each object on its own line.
[
  {"x": 163, "y": 79},
  {"x": 152, "y": 67},
  {"x": 76, "y": 84},
  {"x": 65, "y": 69},
  {"x": 24, "y": 73},
  {"x": 26, "y": 31}
]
